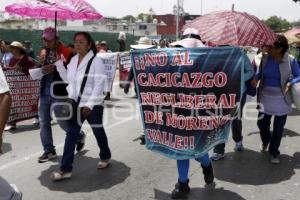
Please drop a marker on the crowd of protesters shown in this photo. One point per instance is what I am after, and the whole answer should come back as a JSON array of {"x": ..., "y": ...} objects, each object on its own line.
[{"x": 270, "y": 72}]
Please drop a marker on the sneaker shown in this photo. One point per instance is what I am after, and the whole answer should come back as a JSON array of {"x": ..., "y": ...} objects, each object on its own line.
[
  {"x": 10, "y": 127},
  {"x": 263, "y": 148},
  {"x": 107, "y": 97},
  {"x": 275, "y": 160},
  {"x": 181, "y": 190},
  {"x": 208, "y": 173},
  {"x": 126, "y": 88},
  {"x": 36, "y": 122},
  {"x": 59, "y": 176},
  {"x": 47, "y": 156},
  {"x": 239, "y": 146},
  {"x": 17, "y": 193},
  {"x": 80, "y": 144},
  {"x": 217, "y": 156},
  {"x": 143, "y": 140}
]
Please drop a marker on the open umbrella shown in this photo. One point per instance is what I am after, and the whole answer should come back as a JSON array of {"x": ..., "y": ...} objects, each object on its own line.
[
  {"x": 46, "y": 9},
  {"x": 54, "y": 9},
  {"x": 292, "y": 39},
  {"x": 232, "y": 28},
  {"x": 293, "y": 32}
]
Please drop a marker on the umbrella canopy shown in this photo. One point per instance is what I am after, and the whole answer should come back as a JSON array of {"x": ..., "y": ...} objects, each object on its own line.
[
  {"x": 232, "y": 28},
  {"x": 293, "y": 32},
  {"x": 48, "y": 9},
  {"x": 292, "y": 39}
]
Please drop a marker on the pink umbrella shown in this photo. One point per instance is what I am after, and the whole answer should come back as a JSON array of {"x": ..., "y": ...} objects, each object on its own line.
[
  {"x": 232, "y": 28},
  {"x": 54, "y": 9},
  {"x": 293, "y": 32}
]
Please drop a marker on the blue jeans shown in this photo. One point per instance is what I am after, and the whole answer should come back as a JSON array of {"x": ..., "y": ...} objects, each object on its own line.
[
  {"x": 184, "y": 165},
  {"x": 95, "y": 121},
  {"x": 45, "y": 121},
  {"x": 264, "y": 128}
]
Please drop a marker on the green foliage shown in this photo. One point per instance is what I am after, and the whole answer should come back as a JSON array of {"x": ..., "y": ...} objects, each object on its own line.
[
  {"x": 277, "y": 24},
  {"x": 129, "y": 18},
  {"x": 145, "y": 17},
  {"x": 296, "y": 23}
]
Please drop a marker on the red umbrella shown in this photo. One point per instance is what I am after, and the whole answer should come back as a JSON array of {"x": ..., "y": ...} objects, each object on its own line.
[{"x": 232, "y": 28}]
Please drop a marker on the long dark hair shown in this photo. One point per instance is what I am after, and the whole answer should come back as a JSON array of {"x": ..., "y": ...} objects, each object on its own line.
[
  {"x": 89, "y": 38},
  {"x": 281, "y": 42}
]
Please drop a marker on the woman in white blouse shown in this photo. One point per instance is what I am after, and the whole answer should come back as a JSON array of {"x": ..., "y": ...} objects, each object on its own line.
[{"x": 90, "y": 105}]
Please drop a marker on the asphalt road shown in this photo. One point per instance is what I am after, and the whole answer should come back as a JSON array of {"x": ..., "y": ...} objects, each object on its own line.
[{"x": 138, "y": 174}]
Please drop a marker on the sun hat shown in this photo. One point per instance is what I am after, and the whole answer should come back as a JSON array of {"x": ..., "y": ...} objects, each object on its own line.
[
  {"x": 189, "y": 39},
  {"x": 143, "y": 43},
  {"x": 16, "y": 44},
  {"x": 103, "y": 43}
]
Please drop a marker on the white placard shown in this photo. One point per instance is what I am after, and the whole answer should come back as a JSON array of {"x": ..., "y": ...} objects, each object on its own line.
[
  {"x": 109, "y": 63},
  {"x": 36, "y": 74}
]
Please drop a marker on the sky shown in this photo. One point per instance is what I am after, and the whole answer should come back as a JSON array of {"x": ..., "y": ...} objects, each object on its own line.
[{"x": 263, "y": 9}]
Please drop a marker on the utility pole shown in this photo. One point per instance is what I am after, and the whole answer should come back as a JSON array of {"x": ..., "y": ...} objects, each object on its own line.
[
  {"x": 201, "y": 7},
  {"x": 177, "y": 21},
  {"x": 179, "y": 11}
]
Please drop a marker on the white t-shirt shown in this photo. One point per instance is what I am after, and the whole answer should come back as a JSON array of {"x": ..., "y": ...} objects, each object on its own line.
[{"x": 3, "y": 84}]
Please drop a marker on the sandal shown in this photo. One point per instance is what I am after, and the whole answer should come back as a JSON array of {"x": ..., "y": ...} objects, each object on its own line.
[
  {"x": 58, "y": 176},
  {"x": 103, "y": 164}
]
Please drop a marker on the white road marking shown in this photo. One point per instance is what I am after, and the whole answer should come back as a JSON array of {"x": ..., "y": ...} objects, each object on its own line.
[{"x": 35, "y": 155}]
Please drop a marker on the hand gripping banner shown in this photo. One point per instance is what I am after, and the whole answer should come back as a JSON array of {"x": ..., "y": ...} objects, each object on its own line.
[{"x": 188, "y": 97}]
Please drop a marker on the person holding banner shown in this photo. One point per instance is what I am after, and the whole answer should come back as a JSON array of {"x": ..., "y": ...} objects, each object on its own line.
[
  {"x": 104, "y": 49},
  {"x": 236, "y": 126},
  {"x": 19, "y": 62},
  {"x": 85, "y": 77},
  {"x": 190, "y": 39},
  {"x": 274, "y": 99},
  {"x": 53, "y": 92},
  {"x": 143, "y": 43}
]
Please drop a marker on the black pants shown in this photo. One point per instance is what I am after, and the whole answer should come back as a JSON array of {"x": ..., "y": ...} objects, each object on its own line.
[
  {"x": 236, "y": 127},
  {"x": 267, "y": 138}
]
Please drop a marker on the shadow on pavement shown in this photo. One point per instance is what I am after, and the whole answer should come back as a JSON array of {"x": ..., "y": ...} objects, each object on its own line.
[
  {"x": 6, "y": 147},
  {"x": 23, "y": 128},
  {"x": 210, "y": 193},
  {"x": 254, "y": 168},
  {"x": 286, "y": 133},
  {"x": 115, "y": 106},
  {"x": 86, "y": 177},
  {"x": 295, "y": 112}
]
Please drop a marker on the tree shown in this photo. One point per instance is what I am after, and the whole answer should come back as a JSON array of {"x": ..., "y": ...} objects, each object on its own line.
[
  {"x": 296, "y": 23},
  {"x": 145, "y": 17},
  {"x": 277, "y": 24},
  {"x": 129, "y": 18}
]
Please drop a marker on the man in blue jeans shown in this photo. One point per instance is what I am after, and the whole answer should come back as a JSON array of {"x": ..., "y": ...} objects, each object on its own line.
[{"x": 53, "y": 92}]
